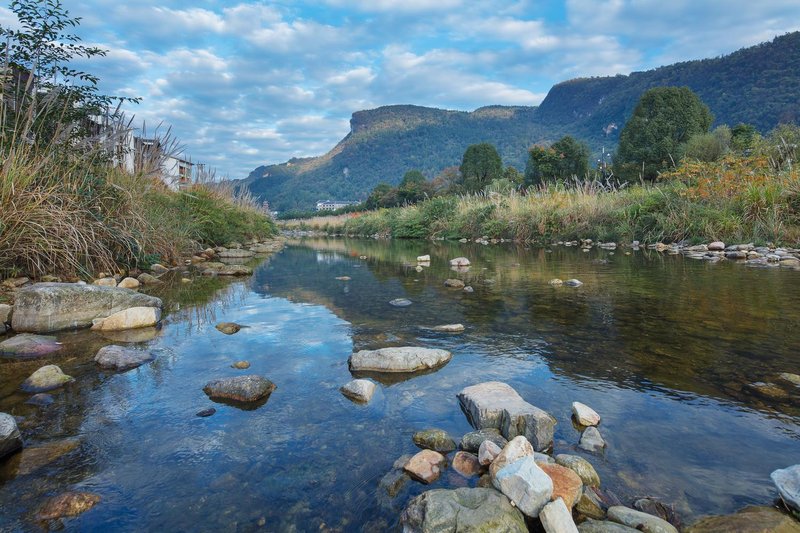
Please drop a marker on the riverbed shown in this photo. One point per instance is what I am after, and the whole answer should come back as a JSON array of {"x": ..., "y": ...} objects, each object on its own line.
[{"x": 667, "y": 349}]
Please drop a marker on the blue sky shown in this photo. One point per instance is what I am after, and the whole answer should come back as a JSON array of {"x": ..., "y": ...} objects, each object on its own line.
[{"x": 244, "y": 83}]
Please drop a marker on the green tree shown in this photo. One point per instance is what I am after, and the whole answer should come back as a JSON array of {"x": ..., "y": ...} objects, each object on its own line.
[
  {"x": 566, "y": 158},
  {"x": 480, "y": 165},
  {"x": 413, "y": 187},
  {"x": 513, "y": 176},
  {"x": 383, "y": 195},
  {"x": 542, "y": 164},
  {"x": 655, "y": 136},
  {"x": 743, "y": 137},
  {"x": 709, "y": 146}
]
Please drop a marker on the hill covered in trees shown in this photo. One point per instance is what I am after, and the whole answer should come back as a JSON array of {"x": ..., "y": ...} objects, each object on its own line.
[{"x": 759, "y": 85}]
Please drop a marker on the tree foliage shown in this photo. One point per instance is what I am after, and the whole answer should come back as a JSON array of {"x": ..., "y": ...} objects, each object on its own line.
[
  {"x": 480, "y": 166},
  {"x": 566, "y": 158},
  {"x": 654, "y": 138}
]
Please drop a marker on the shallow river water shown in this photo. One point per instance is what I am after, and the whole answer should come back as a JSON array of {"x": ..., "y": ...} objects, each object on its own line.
[{"x": 663, "y": 347}]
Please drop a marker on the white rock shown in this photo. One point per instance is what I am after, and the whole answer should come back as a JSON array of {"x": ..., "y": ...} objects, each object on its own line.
[
  {"x": 424, "y": 259},
  {"x": 525, "y": 484},
  {"x": 10, "y": 437},
  {"x": 516, "y": 449},
  {"x": 360, "y": 390},
  {"x": 129, "y": 283},
  {"x": 459, "y": 261},
  {"x": 556, "y": 518},
  {"x": 132, "y": 318},
  {"x": 450, "y": 328},
  {"x": 585, "y": 415},
  {"x": 488, "y": 452},
  {"x": 399, "y": 359},
  {"x": 592, "y": 440}
]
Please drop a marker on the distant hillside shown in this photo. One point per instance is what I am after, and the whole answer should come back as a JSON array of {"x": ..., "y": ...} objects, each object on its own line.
[{"x": 758, "y": 85}]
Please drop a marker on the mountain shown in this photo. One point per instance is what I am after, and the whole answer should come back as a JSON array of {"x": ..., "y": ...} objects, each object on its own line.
[{"x": 759, "y": 85}]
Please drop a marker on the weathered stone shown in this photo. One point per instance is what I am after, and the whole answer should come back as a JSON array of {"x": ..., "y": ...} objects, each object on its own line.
[
  {"x": 423, "y": 259},
  {"x": 516, "y": 449},
  {"x": 472, "y": 441},
  {"x": 158, "y": 269},
  {"x": 132, "y": 335},
  {"x": 454, "y": 283},
  {"x": 566, "y": 483},
  {"x": 639, "y": 520},
  {"x": 32, "y": 459},
  {"x": 450, "y": 328},
  {"x": 5, "y": 313},
  {"x": 129, "y": 283},
  {"x": 360, "y": 390},
  {"x": 234, "y": 270},
  {"x": 13, "y": 283},
  {"x": 555, "y": 282},
  {"x": 10, "y": 437},
  {"x": 228, "y": 328},
  {"x": 787, "y": 481},
  {"x": 654, "y": 507},
  {"x": 794, "y": 379},
  {"x": 425, "y": 466},
  {"x": 468, "y": 289},
  {"x": 148, "y": 279},
  {"x": 488, "y": 452},
  {"x": 466, "y": 464},
  {"x": 525, "y": 484},
  {"x": 46, "y": 307},
  {"x": 768, "y": 390},
  {"x": 434, "y": 439},
  {"x": 573, "y": 283},
  {"x": 67, "y": 504},
  {"x": 590, "y": 506},
  {"x": 206, "y": 412},
  {"x": 543, "y": 458},
  {"x": 557, "y": 518},
  {"x": 591, "y": 440},
  {"x": 132, "y": 318},
  {"x": 27, "y": 345},
  {"x": 241, "y": 365},
  {"x": 580, "y": 466},
  {"x": 748, "y": 520},
  {"x": 105, "y": 282},
  {"x": 343, "y": 278},
  {"x": 465, "y": 510},
  {"x": 400, "y": 302},
  {"x": 122, "y": 358},
  {"x": 399, "y": 359},
  {"x": 716, "y": 246},
  {"x": 597, "y": 526},
  {"x": 236, "y": 254},
  {"x": 46, "y": 378},
  {"x": 459, "y": 262},
  {"x": 585, "y": 415},
  {"x": 248, "y": 388},
  {"x": 494, "y": 404}
]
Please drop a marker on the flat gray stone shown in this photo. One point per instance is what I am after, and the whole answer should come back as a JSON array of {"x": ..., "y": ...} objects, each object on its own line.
[
  {"x": 28, "y": 345},
  {"x": 639, "y": 520},
  {"x": 399, "y": 359},
  {"x": 472, "y": 441},
  {"x": 787, "y": 481},
  {"x": 250, "y": 388},
  {"x": 478, "y": 510},
  {"x": 494, "y": 404},
  {"x": 525, "y": 484},
  {"x": 120, "y": 358},
  {"x": 10, "y": 437},
  {"x": 360, "y": 390},
  {"x": 591, "y": 440}
]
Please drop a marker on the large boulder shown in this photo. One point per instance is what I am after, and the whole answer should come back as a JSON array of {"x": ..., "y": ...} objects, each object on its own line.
[
  {"x": 120, "y": 358},
  {"x": 494, "y": 404},
  {"x": 748, "y": 520},
  {"x": 434, "y": 439},
  {"x": 133, "y": 318},
  {"x": 67, "y": 504},
  {"x": 787, "y": 481},
  {"x": 46, "y": 307},
  {"x": 47, "y": 378},
  {"x": 10, "y": 437},
  {"x": 28, "y": 345},
  {"x": 249, "y": 388},
  {"x": 399, "y": 359},
  {"x": 525, "y": 484},
  {"x": 478, "y": 510}
]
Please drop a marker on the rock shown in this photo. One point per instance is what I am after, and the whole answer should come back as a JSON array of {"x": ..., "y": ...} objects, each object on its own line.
[
  {"x": 736, "y": 255},
  {"x": 132, "y": 335},
  {"x": 590, "y": 506},
  {"x": 396, "y": 478},
  {"x": 748, "y": 520},
  {"x": 425, "y": 466},
  {"x": 158, "y": 269},
  {"x": 32, "y": 459},
  {"x": 434, "y": 439},
  {"x": 418, "y": 268},
  {"x": 516, "y": 449},
  {"x": 360, "y": 390},
  {"x": 494, "y": 404},
  {"x": 248, "y": 388},
  {"x": 67, "y": 504},
  {"x": 241, "y": 365},
  {"x": 566, "y": 483},
  {"x": 555, "y": 282},
  {"x": 186, "y": 280},
  {"x": 122, "y": 358},
  {"x": 557, "y": 518},
  {"x": 468, "y": 289},
  {"x": 478, "y": 510},
  {"x": 10, "y": 437},
  {"x": 597, "y": 526},
  {"x": 466, "y": 464},
  {"x": 13, "y": 283},
  {"x": 472, "y": 441},
  {"x": 488, "y": 452},
  {"x": 148, "y": 279},
  {"x": 770, "y": 391},
  {"x": 525, "y": 484},
  {"x": 228, "y": 328},
  {"x": 129, "y": 283},
  {"x": 573, "y": 283},
  {"x": 344, "y": 278},
  {"x": 459, "y": 262},
  {"x": 234, "y": 270},
  {"x": 47, "y": 378},
  {"x": 206, "y": 412},
  {"x": 543, "y": 458},
  {"x": 794, "y": 379},
  {"x": 132, "y": 318},
  {"x": 41, "y": 400},
  {"x": 236, "y": 254},
  {"x": 400, "y": 302},
  {"x": 656, "y": 508},
  {"x": 423, "y": 259},
  {"x": 450, "y": 328},
  {"x": 5, "y": 313},
  {"x": 454, "y": 283},
  {"x": 787, "y": 481},
  {"x": 26, "y": 345},
  {"x": 716, "y": 246},
  {"x": 398, "y": 359},
  {"x": 580, "y": 466},
  {"x": 591, "y": 440},
  {"x": 105, "y": 282},
  {"x": 639, "y": 520},
  {"x": 46, "y": 307},
  {"x": 585, "y": 415}
]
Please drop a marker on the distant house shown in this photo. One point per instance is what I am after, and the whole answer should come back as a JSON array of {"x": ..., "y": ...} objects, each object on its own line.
[
  {"x": 148, "y": 156},
  {"x": 332, "y": 205}
]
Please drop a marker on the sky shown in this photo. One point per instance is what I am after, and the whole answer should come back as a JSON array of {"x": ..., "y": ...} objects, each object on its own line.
[{"x": 246, "y": 83}]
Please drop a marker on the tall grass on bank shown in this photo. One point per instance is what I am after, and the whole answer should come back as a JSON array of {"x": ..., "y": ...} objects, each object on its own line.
[{"x": 735, "y": 199}]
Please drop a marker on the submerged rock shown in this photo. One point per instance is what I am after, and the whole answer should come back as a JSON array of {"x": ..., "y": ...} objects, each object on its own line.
[
  {"x": 454, "y": 283},
  {"x": 241, "y": 365},
  {"x": 525, "y": 484},
  {"x": 399, "y": 359},
  {"x": 585, "y": 415},
  {"x": 425, "y": 466},
  {"x": 639, "y": 520},
  {"x": 46, "y": 307},
  {"x": 29, "y": 345},
  {"x": 787, "y": 481},
  {"x": 67, "y": 504},
  {"x": 32, "y": 459},
  {"x": 249, "y": 388},
  {"x": 450, "y": 328},
  {"x": 472, "y": 441},
  {"x": 47, "y": 378},
  {"x": 434, "y": 439},
  {"x": 581, "y": 467},
  {"x": 656, "y": 508},
  {"x": 41, "y": 399},
  {"x": 360, "y": 390},
  {"x": 132, "y": 318},
  {"x": 464, "y": 510},
  {"x": 400, "y": 302},
  {"x": 494, "y": 404},
  {"x": 228, "y": 328},
  {"x": 206, "y": 412},
  {"x": 10, "y": 437},
  {"x": 748, "y": 520},
  {"x": 122, "y": 358},
  {"x": 591, "y": 440},
  {"x": 343, "y": 278}
]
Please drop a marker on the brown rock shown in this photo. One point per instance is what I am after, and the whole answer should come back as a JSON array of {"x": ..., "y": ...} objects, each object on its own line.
[
  {"x": 566, "y": 483},
  {"x": 454, "y": 283},
  {"x": 67, "y": 504},
  {"x": 466, "y": 464},
  {"x": 426, "y": 466},
  {"x": 241, "y": 365},
  {"x": 228, "y": 328}
]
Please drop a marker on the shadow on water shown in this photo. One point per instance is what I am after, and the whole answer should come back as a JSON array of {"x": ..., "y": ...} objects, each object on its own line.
[{"x": 666, "y": 349}]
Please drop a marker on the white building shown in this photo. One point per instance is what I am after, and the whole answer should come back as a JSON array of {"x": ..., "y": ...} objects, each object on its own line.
[{"x": 332, "y": 205}]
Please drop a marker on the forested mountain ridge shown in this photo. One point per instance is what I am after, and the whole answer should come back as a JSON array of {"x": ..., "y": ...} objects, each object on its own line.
[{"x": 759, "y": 85}]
